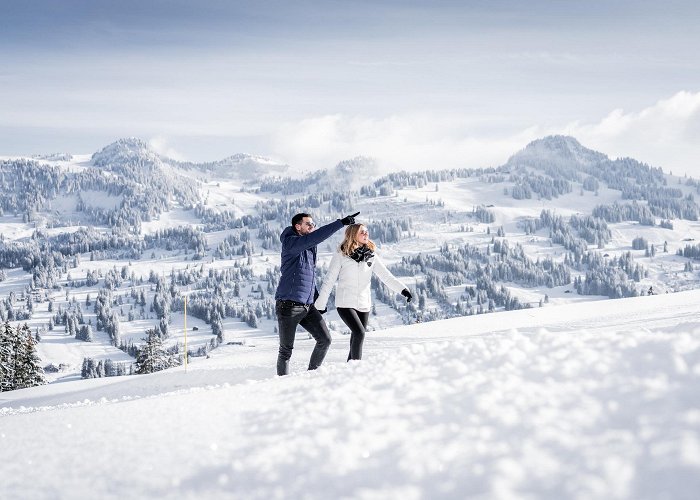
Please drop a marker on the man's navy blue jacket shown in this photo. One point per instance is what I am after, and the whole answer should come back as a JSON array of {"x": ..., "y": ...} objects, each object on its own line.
[{"x": 298, "y": 281}]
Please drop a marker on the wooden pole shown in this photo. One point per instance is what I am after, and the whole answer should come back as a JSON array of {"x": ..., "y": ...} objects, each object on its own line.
[{"x": 185, "y": 333}]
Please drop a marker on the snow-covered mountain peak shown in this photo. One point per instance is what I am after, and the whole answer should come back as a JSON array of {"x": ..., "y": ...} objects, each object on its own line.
[
  {"x": 125, "y": 150},
  {"x": 557, "y": 150}
]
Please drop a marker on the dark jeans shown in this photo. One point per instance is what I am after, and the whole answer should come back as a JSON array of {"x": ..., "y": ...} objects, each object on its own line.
[
  {"x": 357, "y": 322},
  {"x": 289, "y": 315}
]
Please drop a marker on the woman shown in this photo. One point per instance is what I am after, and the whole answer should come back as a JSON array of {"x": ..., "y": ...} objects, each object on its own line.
[{"x": 352, "y": 267}]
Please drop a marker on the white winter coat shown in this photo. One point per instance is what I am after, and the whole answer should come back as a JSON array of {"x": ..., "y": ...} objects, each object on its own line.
[{"x": 354, "y": 280}]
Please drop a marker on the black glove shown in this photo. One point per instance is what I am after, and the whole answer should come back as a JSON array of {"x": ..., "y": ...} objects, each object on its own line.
[
  {"x": 349, "y": 219},
  {"x": 323, "y": 311},
  {"x": 407, "y": 294}
]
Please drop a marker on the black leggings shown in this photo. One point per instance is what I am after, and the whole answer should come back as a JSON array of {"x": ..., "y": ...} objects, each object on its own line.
[{"x": 357, "y": 322}]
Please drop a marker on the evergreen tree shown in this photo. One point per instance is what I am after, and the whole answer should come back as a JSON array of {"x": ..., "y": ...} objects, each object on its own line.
[
  {"x": 7, "y": 373},
  {"x": 84, "y": 333},
  {"x": 18, "y": 356},
  {"x": 32, "y": 361},
  {"x": 217, "y": 327},
  {"x": 153, "y": 357},
  {"x": 163, "y": 328},
  {"x": 20, "y": 365}
]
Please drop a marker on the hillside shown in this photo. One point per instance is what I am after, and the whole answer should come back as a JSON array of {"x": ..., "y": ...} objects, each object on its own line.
[
  {"x": 589, "y": 400},
  {"x": 117, "y": 239}
]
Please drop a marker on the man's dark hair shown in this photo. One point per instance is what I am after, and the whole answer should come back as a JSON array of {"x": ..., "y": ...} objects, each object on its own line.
[{"x": 298, "y": 218}]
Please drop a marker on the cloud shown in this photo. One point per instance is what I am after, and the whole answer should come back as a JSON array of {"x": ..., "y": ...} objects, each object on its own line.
[
  {"x": 421, "y": 141},
  {"x": 666, "y": 134},
  {"x": 159, "y": 144},
  {"x": 662, "y": 135}
]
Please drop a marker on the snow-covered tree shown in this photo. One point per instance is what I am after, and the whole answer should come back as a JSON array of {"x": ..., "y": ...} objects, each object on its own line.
[
  {"x": 20, "y": 365},
  {"x": 29, "y": 372},
  {"x": 7, "y": 372},
  {"x": 84, "y": 333},
  {"x": 153, "y": 357}
]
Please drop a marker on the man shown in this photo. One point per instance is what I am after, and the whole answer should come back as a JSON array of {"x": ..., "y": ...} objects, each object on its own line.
[{"x": 296, "y": 291}]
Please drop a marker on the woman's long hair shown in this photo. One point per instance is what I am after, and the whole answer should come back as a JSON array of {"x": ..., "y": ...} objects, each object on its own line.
[{"x": 350, "y": 244}]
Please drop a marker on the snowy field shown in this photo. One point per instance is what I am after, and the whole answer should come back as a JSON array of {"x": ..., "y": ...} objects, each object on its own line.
[{"x": 596, "y": 400}]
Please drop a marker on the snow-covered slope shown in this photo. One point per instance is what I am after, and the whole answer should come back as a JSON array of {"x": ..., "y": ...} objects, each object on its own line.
[{"x": 592, "y": 400}]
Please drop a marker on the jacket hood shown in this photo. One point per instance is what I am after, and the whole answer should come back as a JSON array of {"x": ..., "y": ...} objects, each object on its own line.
[{"x": 287, "y": 231}]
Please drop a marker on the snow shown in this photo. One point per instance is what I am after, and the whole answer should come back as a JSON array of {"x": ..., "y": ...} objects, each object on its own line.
[
  {"x": 100, "y": 199},
  {"x": 227, "y": 195},
  {"x": 590, "y": 400},
  {"x": 174, "y": 218},
  {"x": 12, "y": 227}
]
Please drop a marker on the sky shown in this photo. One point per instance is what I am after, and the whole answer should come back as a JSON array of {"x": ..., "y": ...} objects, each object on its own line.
[{"x": 415, "y": 84}]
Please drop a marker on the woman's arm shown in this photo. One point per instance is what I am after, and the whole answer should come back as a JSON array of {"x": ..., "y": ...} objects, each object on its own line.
[
  {"x": 385, "y": 275},
  {"x": 331, "y": 278}
]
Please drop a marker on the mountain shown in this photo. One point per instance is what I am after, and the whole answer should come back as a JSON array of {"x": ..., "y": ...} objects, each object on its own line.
[
  {"x": 133, "y": 157},
  {"x": 562, "y": 157},
  {"x": 130, "y": 157},
  {"x": 124, "y": 150},
  {"x": 557, "y": 151},
  {"x": 558, "y": 224}
]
